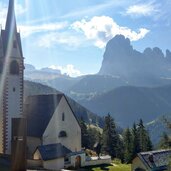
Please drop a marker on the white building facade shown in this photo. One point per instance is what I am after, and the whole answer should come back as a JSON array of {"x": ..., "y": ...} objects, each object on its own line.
[{"x": 63, "y": 128}]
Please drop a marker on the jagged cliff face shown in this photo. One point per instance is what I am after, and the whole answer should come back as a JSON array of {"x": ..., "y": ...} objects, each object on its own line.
[{"x": 120, "y": 59}]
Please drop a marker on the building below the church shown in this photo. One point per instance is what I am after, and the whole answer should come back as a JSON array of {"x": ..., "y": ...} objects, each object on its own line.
[{"x": 152, "y": 161}]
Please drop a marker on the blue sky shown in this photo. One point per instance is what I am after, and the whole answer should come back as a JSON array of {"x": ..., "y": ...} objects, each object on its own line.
[{"x": 71, "y": 35}]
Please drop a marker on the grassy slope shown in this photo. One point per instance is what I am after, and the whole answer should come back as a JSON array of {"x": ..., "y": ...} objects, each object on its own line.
[{"x": 112, "y": 167}]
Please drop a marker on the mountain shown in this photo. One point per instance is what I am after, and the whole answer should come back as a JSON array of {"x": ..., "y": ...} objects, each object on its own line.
[
  {"x": 29, "y": 67},
  {"x": 128, "y": 103},
  {"x": 49, "y": 70},
  {"x": 32, "y": 88},
  {"x": 92, "y": 85},
  {"x": 149, "y": 68},
  {"x": 122, "y": 65},
  {"x": 157, "y": 127},
  {"x": 49, "y": 77}
]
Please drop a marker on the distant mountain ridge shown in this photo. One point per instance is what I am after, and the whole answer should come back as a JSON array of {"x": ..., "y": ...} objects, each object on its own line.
[
  {"x": 129, "y": 103},
  {"x": 149, "y": 68},
  {"x": 92, "y": 85},
  {"x": 32, "y": 88},
  {"x": 49, "y": 77}
]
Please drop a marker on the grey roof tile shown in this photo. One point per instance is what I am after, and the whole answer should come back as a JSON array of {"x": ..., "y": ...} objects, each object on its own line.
[
  {"x": 53, "y": 151},
  {"x": 38, "y": 111},
  {"x": 160, "y": 158}
]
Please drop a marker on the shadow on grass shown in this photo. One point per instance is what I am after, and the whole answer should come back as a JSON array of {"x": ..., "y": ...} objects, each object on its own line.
[{"x": 104, "y": 167}]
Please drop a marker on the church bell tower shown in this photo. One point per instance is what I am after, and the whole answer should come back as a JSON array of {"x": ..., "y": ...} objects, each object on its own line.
[{"x": 11, "y": 78}]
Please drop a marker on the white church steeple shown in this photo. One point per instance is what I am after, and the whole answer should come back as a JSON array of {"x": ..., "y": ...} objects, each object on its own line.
[
  {"x": 11, "y": 21},
  {"x": 11, "y": 75}
]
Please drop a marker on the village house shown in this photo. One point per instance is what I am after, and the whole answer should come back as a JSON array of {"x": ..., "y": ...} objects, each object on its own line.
[
  {"x": 53, "y": 131},
  {"x": 152, "y": 161}
]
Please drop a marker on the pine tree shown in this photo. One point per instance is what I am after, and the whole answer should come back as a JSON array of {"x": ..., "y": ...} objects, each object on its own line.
[
  {"x": 110, "y": 137},
  {"x": 84, "y": 134},
  {"x": 94, "y": 137},
  {"x": 149, "y": 145},
  {"x": 165, "y": 141},
  {"x": 128, "y": 139},
  {"x": 167, "y": 122},
  {"x": 145, "y": 143},
  {"x": 135, "y": 141},
  {"x": 120, "y": 148}
]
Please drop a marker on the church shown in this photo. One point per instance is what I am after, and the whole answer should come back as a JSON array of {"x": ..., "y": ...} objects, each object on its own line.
[
  {"x": 52, "y": 139},
  {"x": 53, "y": 131}
]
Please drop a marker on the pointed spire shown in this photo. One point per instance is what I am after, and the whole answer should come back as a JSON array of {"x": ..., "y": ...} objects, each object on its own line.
[{"x": 11, "y": 20}]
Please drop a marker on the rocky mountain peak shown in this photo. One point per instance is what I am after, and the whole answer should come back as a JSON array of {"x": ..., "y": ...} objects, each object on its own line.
[{"x": 120, "y": 59}]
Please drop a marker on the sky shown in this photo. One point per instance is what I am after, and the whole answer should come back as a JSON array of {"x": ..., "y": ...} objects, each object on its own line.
[{"x": 72, "y": 35}]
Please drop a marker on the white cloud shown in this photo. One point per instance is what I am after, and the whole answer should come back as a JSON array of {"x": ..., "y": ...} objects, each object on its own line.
[
  {"x": 27, "y": 30},
  {"x": 68, "y": 69},
  {"x": 65, "y": 38},
  {"x": 147, "y": 9},
  {"x": 101, "y": 29}
]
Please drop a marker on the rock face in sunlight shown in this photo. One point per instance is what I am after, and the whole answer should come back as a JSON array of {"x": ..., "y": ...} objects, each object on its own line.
[{"x": 148, "y": 68}]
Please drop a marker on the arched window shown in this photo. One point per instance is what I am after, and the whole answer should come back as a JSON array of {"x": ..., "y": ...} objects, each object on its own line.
[
  {"x": 62, "y": 134},
  {"x": 1, "y": 67},
  {"x": 63, "y": 116},
  {"x": 14, "y": 68}
]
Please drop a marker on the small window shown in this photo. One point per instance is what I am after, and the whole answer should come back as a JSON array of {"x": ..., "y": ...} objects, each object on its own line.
[
  {"x": 63, "y": 117},
  {"x": 14, "y": 44},
  {"x": 66, "y": 159},
  {"x": 14, "y": 68},
  {"x": 13, "y": 89},
  {"x": 16, "y": 138},
  {"x": 62, "y": 134}
]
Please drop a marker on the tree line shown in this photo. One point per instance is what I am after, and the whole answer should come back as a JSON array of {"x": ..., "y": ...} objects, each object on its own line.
[{"x": 123, "y": 145}]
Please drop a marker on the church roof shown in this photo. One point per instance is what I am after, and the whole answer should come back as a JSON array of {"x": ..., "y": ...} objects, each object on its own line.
[
  {"x": 53, "y": 151},
  {"x": 38, "y": 111},
  {"x": 155, "y": 159}
]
